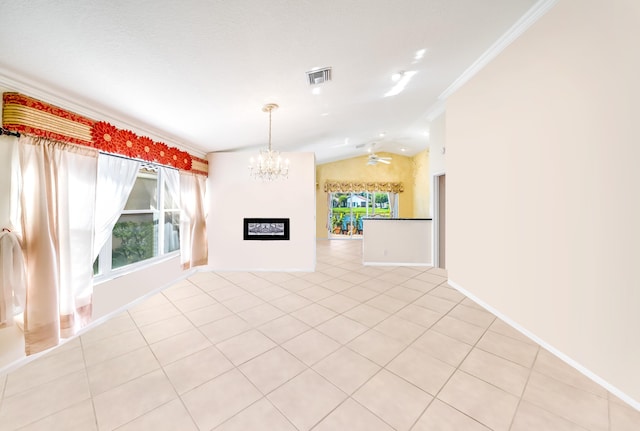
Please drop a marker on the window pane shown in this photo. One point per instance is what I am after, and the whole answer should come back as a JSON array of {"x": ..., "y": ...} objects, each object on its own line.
[
  {"x": 382, "y": 208},
  {"x": 134, "y": 239},
  {"x": 169, "y": 203},
  {"x": 338, "y": 210},
  {"x": 171, "y": 231},
  {"x": 144, "y": 193}
]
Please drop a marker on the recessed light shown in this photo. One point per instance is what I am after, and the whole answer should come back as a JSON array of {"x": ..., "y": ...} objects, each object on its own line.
[
  {"x": 324, "y": 114},
  {"x": 382, "y": 134},
  {"x": 403, "y": 149}
]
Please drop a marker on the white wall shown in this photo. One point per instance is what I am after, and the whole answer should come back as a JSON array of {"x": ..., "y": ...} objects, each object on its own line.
[
  {"x": 543, "y": 213},
  {"x": 116, "y": 294},
  {"x": 404, "y": 242},
  {"x": 437, "y": 145},
  {"x": 234, "y": 195}
]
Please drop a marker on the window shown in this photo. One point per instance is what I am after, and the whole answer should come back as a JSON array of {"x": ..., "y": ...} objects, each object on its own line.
[
  {"x": 348, "y": 209},
  {"x": 148, "y": 226}
]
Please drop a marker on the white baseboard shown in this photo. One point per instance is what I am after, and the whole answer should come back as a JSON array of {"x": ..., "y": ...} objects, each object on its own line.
[
  {"x": 397, "y": 264},
  {"x": 588, "y": 373}
]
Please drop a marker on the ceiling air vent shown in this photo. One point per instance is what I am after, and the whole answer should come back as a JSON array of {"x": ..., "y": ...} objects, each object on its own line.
[{"x": 319, "y": 76}]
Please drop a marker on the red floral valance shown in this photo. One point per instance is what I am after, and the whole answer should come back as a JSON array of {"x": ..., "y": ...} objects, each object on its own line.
[
  {"x": 110, "y": 139},
  {"x": 30, "y": 116}
]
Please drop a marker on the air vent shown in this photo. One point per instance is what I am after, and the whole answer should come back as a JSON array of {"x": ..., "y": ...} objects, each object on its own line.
[{"x": 319, "y": 76}]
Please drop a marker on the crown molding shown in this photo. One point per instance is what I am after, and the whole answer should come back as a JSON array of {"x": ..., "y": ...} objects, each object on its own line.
[
  {"x": 11, "y": 82},
  {"x": 526, "y": 21},
  {"x": 435, "y": 110}
]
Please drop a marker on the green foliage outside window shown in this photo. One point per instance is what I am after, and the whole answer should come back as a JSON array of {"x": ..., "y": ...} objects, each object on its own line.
[{"x": 136, "y": 242}]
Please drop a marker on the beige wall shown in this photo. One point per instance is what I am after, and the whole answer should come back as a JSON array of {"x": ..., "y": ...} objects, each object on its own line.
[
  {"x": 421, "y": 185},
  {"x": 543, "y": 214},
  {"x": 401, "y": 169}
]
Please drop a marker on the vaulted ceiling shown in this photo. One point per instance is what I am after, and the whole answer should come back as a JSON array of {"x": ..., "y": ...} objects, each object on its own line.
[{"x": 198, "y": 72}]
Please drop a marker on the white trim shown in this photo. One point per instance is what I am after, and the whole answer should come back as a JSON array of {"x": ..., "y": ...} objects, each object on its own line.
[
  {"x": 435, "y": 215},
  {"x": 526, "y": 21},
  {"x": 435, "y": 110},
  {"x": 53, "y": 96},
  {"x": 430, "y": 264},
  {"x": 597, "y": 379}
]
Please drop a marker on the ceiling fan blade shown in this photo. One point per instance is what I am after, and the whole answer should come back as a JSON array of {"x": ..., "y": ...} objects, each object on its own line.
[{"x": 386, "y": 162}]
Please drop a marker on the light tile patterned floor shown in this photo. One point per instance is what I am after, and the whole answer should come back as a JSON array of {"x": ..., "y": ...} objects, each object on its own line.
[{"x": 345, "y": 348}]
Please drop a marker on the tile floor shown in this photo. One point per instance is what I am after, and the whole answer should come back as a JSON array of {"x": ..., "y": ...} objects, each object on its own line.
[{"x": 344, "y": 348}]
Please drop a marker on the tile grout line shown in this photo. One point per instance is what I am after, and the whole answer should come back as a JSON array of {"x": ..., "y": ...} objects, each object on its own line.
[
  {"x": 382, "y": 367},
  {"x": 86, "y": 371},
  {"x": 457, "y": 368},
  {"x": 524, "y": 388},
  {"x": 309, "y": 367},
  {"x": 162, "y": 367}
]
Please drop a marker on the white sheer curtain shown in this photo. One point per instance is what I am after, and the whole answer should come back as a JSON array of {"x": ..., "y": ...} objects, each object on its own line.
[
  {"x": 12, "y": 278},
  {"x": 116, "y": 177},
  {"x": 58, "y": 184},
  {"x": 12, "y": 275},
  {"x": 393, "y": 204},
  {"x": 193, "y": 227},
  {"x": 329, "y": 213},
  {"x": 172, "y": 180}
]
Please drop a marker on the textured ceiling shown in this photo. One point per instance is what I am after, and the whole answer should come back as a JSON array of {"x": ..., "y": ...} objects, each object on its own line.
[{"x": 199, "y": 72}]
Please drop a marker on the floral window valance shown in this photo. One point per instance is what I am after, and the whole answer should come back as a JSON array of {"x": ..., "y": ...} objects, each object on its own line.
[
  {"x": 361, "y": 186},
  {"x": 30, "y": 116}
]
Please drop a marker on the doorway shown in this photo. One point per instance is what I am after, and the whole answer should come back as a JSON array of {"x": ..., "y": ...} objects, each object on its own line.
[{"x": 440, "y": 211}]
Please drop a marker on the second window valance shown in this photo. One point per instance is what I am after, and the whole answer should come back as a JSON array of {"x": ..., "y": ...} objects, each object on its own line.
[{"x": 362, "y": 186}]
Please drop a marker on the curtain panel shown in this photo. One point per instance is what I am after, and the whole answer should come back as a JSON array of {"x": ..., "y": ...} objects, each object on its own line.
[
  {"x": 12, "y": 278},
  {"x": 116, "y": 177},
  {"x": 193, "y": 227},
  {"x": 57, "y": 197},
  {"x": 172, "y": 180},
  {"x": 393, "y": 204}
]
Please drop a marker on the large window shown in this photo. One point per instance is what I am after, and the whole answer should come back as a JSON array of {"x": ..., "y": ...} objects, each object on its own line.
[
  {"x": 348, "y": 209},
  {"x": 148, "y": 226}
]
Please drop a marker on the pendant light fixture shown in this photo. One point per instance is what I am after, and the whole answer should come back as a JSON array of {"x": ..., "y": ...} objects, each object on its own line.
[{"x": 269, "y": 165}]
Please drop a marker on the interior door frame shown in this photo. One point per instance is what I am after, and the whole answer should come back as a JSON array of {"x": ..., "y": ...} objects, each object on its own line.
[{"x": 435, "y": 182}]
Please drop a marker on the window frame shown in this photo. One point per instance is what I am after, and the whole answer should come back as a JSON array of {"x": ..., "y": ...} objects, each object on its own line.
[{"x": 105, "y": 269}]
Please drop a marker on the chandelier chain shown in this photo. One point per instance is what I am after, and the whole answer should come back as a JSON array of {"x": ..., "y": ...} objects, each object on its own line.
[{"x": 270, "y": 129}]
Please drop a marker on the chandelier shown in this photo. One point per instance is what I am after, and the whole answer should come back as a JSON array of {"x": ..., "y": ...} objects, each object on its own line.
[{"x": 269, "y": 166}]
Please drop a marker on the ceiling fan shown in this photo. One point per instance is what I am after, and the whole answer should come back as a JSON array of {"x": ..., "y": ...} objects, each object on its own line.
[{"x": 374, "y": 159}]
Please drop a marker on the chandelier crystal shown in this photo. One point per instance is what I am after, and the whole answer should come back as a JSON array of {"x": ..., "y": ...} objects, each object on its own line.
[{"x": 269, "y": 165}]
